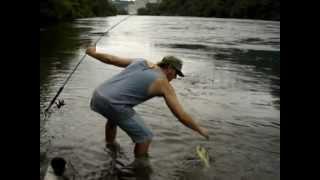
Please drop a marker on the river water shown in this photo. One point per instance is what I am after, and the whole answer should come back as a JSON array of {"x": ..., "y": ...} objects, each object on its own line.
[{"x": 232, "y": 88}]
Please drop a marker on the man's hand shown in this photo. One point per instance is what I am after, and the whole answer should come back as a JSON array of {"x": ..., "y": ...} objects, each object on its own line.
[
  {"x": 91, "y": 50},
  {"x": 204, "y": 132}
]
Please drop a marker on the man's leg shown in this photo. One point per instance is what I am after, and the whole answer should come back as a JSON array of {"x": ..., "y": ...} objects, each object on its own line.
[
  {"x": 141, "y": 149},
  {"x": 139, "y": 133},
  {"x": 141, "y": 161},
  {"x": 110, "y": 132}
]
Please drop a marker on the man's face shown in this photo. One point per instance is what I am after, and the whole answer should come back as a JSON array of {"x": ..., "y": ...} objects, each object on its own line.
[{"x": 171, "y": 74}]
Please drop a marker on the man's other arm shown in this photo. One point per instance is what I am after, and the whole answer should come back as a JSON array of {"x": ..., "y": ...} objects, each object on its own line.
[{"x": 108, "y": 58}]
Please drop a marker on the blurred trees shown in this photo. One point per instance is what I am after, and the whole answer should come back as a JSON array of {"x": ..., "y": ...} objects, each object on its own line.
[
  {"x": 251, "y": 9},
  {"x": 69, "y": 9},
  {"x": 151, "y": 9}
]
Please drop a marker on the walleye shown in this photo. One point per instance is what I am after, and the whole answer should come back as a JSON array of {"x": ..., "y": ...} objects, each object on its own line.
[{"x": 203, "y": 155}]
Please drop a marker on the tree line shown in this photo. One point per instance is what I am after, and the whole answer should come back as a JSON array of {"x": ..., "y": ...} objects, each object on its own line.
[
  {"x": 250, "y": 9},
  {"x": 56, "y": 10}
]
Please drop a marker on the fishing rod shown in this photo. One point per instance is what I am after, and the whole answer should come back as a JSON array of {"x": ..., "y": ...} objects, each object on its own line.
[
  {"x": 61, "y": 102},
  {"x": 83, "y": 57}
]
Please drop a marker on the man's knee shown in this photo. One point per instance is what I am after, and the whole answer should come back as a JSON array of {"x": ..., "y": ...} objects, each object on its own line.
[{"x": 146, "y": 139}]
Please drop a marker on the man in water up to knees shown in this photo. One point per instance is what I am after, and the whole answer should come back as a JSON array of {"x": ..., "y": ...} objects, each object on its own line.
[{"x": 139, "y": 81}]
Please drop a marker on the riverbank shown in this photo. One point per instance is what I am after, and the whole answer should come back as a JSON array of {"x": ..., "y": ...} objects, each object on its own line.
[
  {"x": 241, "y": 9},
  {"x": 67, "y": 10}
]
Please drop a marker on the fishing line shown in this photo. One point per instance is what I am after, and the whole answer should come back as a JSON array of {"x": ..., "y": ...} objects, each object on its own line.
[{"x": 61, "y": 103}]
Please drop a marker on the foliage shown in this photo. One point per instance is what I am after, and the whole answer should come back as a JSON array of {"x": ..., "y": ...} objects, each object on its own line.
[
  {"x": 103, "y": 8},
  {"x": 150, "y": 9},
  {"x": 122, "y": 11},
  {"x": 252, "y": 9},
  {"x": 70, "y": 9}
]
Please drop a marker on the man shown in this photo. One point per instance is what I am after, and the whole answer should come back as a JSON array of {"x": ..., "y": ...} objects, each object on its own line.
[{"x": 138, "y": 82}]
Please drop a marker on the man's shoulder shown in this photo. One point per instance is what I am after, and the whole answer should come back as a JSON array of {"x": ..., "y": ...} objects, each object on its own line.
[
  {"x": 158, "y": 86},
  {"x": 150, "y": 64},
  {"x": 163, "y": 84},
  {"x": 136, "y": 62}
]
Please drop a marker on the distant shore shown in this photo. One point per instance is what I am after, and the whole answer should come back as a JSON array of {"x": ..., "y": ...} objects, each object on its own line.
[{"x": 247, "y": 9}]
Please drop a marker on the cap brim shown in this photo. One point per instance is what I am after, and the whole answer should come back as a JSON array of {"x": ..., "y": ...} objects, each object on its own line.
[{"x": 180, "y": 73}]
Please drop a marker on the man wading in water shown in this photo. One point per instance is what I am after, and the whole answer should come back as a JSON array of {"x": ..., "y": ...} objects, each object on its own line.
[{"x": 138, "y": 82}]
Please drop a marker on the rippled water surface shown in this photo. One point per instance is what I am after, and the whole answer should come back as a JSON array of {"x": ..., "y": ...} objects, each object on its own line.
[{"x": 232, "y": 87}]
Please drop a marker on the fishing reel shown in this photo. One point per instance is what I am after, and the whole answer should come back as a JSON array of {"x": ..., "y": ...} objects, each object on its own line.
[{"x": 60, "y": 103}]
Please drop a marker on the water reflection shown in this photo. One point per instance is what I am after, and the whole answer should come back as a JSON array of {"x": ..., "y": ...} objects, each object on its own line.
[
  {"x": 184, "y": 46},
  {"x": 138, "y": 170},
  {"x": 266, "y": 65},
  {"x": 58, "y": 46}
]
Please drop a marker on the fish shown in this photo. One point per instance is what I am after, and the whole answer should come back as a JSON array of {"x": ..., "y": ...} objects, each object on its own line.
[{"x": 203, "y": 155}]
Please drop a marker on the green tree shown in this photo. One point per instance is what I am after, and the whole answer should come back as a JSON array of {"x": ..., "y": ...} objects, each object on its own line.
[
  {"x": 254, "y": 9},
  {"x": 69, "y": 9},
  {"x": 103, "y": 8}
]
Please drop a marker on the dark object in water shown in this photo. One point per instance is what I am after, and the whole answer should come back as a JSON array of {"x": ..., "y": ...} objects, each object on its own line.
[
  {"x": 58, "y": 165},
  {"x": 60, "y": 103}
]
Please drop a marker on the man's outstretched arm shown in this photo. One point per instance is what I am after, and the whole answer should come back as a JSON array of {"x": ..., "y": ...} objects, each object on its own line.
[
  {"x": 177, "y": 110},
  {"x": 108, "y": 58}
]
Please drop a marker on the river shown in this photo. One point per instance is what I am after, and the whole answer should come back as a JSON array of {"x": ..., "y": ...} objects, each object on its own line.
[{"x": 232, "y": 88}]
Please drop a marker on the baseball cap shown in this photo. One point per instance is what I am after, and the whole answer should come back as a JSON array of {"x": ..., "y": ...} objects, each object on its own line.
[{"x": 174, "y": 62}]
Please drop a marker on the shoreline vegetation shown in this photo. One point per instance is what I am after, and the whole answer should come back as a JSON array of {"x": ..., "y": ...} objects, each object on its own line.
[
  {"x": 65, "y": 10},
  {"x": 241, "y": 9}
]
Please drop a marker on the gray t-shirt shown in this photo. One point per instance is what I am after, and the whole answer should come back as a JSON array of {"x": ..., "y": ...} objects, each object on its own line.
[{"x": 130, "y": 87}]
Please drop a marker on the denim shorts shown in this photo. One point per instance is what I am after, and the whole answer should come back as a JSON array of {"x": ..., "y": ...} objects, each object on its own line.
[{"x": 126, "y": 118}]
